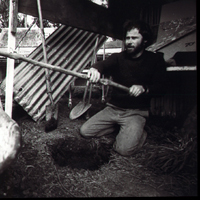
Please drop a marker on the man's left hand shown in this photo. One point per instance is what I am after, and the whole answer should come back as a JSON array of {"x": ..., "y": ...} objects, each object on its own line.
[{"x": 136, "y": 90}]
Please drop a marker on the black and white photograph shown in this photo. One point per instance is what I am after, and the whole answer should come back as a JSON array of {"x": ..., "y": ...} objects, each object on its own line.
[{"x": 98, "y": 98}]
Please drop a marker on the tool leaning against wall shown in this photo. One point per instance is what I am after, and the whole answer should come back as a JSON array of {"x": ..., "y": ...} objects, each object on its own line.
[
  {"x": 52, "y": 109},
  {"x": 84, "y": 105}
]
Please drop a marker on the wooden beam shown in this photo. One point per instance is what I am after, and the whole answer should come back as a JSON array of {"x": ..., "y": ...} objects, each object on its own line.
[
  {"x": 81, "y": 14},
  {"x": 13, "y": 10},
  {"x": 88, "y": 16}
]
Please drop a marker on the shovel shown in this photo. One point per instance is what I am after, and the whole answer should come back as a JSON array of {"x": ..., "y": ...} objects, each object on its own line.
[
  {"x": 89, "y": 98},
  {"x": 51, "y": 110},
  {"x": 105, "y": 81},
  {"x": 82, "y": 106},
  {"x": 70, "y": 96}
]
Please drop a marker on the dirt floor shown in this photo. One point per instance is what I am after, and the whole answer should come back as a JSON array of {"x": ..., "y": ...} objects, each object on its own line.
[{"x": 61, "y": 163}]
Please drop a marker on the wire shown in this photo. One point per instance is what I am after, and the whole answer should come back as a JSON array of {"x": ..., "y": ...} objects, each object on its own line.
[{"x": 21, "y": 39}]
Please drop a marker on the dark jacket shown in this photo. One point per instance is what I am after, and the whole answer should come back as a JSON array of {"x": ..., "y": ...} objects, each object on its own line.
[{"x": 147, "y": 70}]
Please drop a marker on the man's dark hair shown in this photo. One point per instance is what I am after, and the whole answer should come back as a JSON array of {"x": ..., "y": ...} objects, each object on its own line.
[{"x": 143, "y": 27}]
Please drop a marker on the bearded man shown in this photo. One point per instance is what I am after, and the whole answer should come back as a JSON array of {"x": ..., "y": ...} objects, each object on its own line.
[{"x": 140, "y": 70}]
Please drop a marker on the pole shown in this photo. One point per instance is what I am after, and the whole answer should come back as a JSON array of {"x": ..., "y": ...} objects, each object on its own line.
[
  {"x": 13, "y": 10},
  {"x": 47, "y": 73},
  {"x": 59, "y": 69}
]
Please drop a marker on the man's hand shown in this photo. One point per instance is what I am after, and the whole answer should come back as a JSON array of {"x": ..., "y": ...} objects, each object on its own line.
[
  {"x": 136, "y": 90},
  {"x": 93, "y": 75}
]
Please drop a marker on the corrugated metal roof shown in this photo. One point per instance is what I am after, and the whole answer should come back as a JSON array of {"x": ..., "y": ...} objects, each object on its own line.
[{"x": 67, "y": 47}]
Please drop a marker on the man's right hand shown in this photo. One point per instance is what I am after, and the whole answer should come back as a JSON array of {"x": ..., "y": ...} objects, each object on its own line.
[{"x": 93, "y": 75}]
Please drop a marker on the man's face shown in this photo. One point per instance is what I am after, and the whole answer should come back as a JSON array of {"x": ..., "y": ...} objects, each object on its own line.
[{"x": 134, "y": 41}]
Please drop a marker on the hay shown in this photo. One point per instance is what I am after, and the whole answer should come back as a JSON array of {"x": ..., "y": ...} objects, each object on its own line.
[{"x": 169, "y": 152}]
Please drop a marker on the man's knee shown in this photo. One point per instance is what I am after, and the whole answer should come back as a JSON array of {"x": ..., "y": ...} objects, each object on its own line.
[
  {"x": 123, "y": 150},
  {"x": 84, "y": 131}
]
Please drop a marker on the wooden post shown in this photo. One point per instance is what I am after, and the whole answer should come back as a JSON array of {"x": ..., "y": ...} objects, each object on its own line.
[
  {"x": 104, "y": 52},
  {"x": 25, "y": 20},
  {"x": 13, "y": 11}
]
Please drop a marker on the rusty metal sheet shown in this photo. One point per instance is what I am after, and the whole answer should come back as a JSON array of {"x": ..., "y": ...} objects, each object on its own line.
[{"x": 67, "y": 47}]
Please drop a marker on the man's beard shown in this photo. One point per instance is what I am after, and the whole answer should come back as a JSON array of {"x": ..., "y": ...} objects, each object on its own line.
[{"x": 134, "y": 50}]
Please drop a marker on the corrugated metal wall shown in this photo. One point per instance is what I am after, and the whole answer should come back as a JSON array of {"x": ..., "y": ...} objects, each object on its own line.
[{"x": 67, "y": 47}]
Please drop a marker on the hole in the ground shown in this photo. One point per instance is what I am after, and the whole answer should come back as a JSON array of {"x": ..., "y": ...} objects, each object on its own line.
[{"x": 80, "y": 154}]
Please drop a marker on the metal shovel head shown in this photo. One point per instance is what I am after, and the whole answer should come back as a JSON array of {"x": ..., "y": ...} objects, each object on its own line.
[
  {"x": 51, "y": 112},
  {"x": 79, "y": 109}
]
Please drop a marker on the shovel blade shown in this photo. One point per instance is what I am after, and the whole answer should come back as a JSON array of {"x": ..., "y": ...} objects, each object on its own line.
[
  {"x": 51, "y": 112},
  {"x": 79, "y": 110}
]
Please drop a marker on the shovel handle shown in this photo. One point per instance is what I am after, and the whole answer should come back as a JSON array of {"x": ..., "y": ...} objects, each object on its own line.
[
  {"x": 90, "y": 93},
  {"x": 47, "y": 73},
  {"x": 59, "y": 69},
  {"x": 114, "y": 84},
  {"x": 86, "y": 89}
]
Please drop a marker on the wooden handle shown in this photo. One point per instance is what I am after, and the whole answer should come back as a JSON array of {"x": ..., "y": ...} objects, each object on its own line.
[
  {"x": 42, "y": 64},
  {"x": 114, "y": 84},
  {"x": 59, "y": 69},
  {"x": 47, "y": 73}
]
